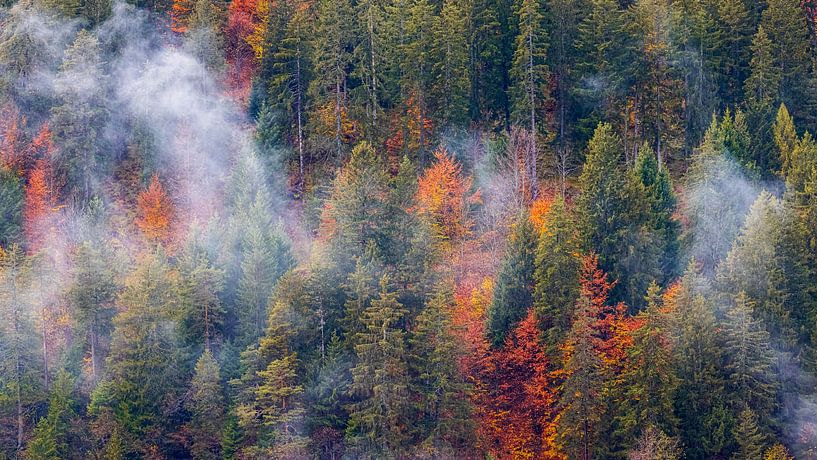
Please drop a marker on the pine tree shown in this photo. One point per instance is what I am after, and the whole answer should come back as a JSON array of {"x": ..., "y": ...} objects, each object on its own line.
[
  {"x": 20, "y": 387},
  {"x": 91, "y": 296},
  {"x": 748, "y": 437},
  {"x": 529, "y": 72},
  {"x": 143, "y": 364},
  {"x": 445, "y": 413},
  {"x": 451, "y": 76},
  {"x": 79, "y": 117},
  {"x": 370, "y": 64},
  {"x": 50, "y": 438},
  {"x": 269, "y": 395},
  {"x": 700, "y": 401},
  {"x": 11, "y": 207},
  {"x": 749, "y": 360},
  {"x": 735, "y": 27},
  {"x": 556, "y": 275},
  {"x": 332, "y": 50},
  {"x": 788, "y": 34},
  {"x": 785, "y": 137},
  {"x": 377, "y": 420},
  {"x": 513, "y": 292},
  {"x": 206, "y": 405},
  {"x": 580, "y": 406},
  {"x": 203, "y": 37},
  {"x": 649, "y": 381}
]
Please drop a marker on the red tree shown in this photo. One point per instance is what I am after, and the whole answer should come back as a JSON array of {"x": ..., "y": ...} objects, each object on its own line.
[{"x": 155, "y": 212}]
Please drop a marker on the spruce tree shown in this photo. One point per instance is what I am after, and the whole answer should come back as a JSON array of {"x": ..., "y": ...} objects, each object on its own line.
[
  {"x": 377, "y": 419},
  {"x": 788, "y": 34},
  {"x": 451, "y": 77},
  {"x": 11, "y": 207},
  {"x": 513, "y": 292},
  {"x": 749, "y": 438},
  {"x": 50, "y": 438},
  {"x": 529, "y": 72},
  {"x": 786, "y": 139},
  {"x": 203, "y": 39},
  {"x": 762, "y": 93},
  {"x": 556, "y": 275},
  {"x": 206, "y": 405}
]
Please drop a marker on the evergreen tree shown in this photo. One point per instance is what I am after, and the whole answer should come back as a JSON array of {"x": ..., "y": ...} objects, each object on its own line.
[
  {"x": 735, "y": 26},
  {"x": 654, "y": 444},
  {"x": 451, "y": 76},
  {"x": 556, "y": 275},
  {"x": 370, "y": 65},
  {"x": 762, "y": 91},
  {"x": 92, "y": 296},
  {"x": 649, "y": 381},
  {"x": 529, "y": 73},
  {"x": 206, "y": 405},
  {"x": 513, "y": 293},
  {"x": 748, "y": 437},
  {"x": 788, "y": 34},
  {"x": 50, "y": 438},
  {"x": 143, "y": 365},
  {"x": 581, "y": 406},
  {"x": 377, "y": 420},
  {"x": 78, "y": 119},
  {"x": 749, "y": 360},
  {"x": 270, "y": 406},
  {"x": 785, "y": 137},
  {"x": 203, "y": 37},
  {"x": 444, "y": 411},
  {"x": 11, "y": 207}
]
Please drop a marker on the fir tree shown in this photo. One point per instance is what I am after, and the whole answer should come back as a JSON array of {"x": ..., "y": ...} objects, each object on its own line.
[
  {"x": 50, "y": 438},
  {"x": 513, "y": 293},
  {"x": 748, "y": 437},
  {"x": 206, "y": 405}
]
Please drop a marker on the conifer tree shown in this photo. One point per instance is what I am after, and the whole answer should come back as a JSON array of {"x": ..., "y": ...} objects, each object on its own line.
[
  {"x": 451, "y": 76},
  {"x": 79, "y": 117},
  {"x": 556, "y": 275},
  {"x": 788, "y": 34},
  {"x": 377, "y": 420},
  {"x": 50, "y": 438},
  {"x": 748, "y": 436},
  {"x": 762, "y": 93},
  {"x": 513, "y": 293},
  {"x": 529, "y": 73},
  {"x": 203, "y": 37},
  {"x": 11, "y": 207},
  {"x": 444, "y": 410},
  {"x": 206, "y": 405},
  {"x": 786, "y": 139},
  {"x": 580, "y": 406}
]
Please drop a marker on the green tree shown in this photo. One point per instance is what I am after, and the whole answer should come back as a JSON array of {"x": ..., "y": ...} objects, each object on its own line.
[
  {"x": 451, "y": 70},
  {"x": 143, "y": 369},
  {"x": 203, "y": 38},
  {"x": 556, "y": 275},
  {"x": 206, "y": 405},
  {"x": 50, "y": 438},
  {"x": 92, "y": 295},
  {"x": 530, "y": 76},
  {"x": 11, "y": 207},
  {"x": 78, "y": 119},
  {"x": 735, "y": 27},
  {"x": 786, "y": 139},
  {"x": 513, "y": 292},
  {"x": 748, "y": 436},
  {"x": 445, "y": 416},
  {"x": 649, "y": 380},
  {"x": 581, "y": 404},
  {"x": 751, "y": 379},
  {"x": 377, "y": 420},
  {"x": 762, "y": 93},
  {"x": 788, "y": 34}
]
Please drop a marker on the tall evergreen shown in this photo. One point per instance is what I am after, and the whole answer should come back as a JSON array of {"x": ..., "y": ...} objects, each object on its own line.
[
  {"x": 513, "y": 293},
  {"x": 206, "y": 405},
  {"x": 530, "y": 75}
]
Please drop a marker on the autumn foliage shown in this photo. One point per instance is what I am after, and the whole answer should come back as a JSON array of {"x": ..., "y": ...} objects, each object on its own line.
[
  {"x": 155, "y": 212},
  {"x": 445, "y": 199}
]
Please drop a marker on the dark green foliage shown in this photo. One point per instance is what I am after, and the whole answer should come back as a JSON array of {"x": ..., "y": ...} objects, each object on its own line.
[
  {"x": 513, "y": 293},
  {"x": 11, "y": 207}
]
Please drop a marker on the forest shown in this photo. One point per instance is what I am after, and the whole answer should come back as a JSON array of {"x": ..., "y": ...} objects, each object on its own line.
[{"x": 408, "y": 229}]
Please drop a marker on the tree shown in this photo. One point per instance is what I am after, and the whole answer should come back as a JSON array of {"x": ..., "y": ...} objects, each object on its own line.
[
  {"x": 786, "y": 27},
  {"x": 20, "y": 386},
  {"x": 513, "y": 291},
  {"x": 529, "y": 72},
  {"x": 451, "y": 77},
  {"x": 735, "y": 26},
  {"x": 445, "y": 200},
  {"x": 556, "y": 275},
  {"x": 370, "y": 63},
  {"x": 445, "y": 413},
  {"x": 38, "y": 204},
  {"x": 143, "y": 365},
  {"x": 92, "y": 295},
  {"x": 777, "y": 452},
  {"x": 202, "y": 314},
  {"x": 515, "y": 396},
  {"x": 786, "y": 139},
  {"x": 654, "y": 444},
  {"x": 762, "y": 93},
  {"x": 377, "y": 422},
  {"x": 580, "y": 404},
  {"x": 50, "y": 438},
  {"x": 79, "y": 117},
  {"x": 649, "y": 379},
  {"x": 270, "y": 404},
  {"x": 748, "y": 437},
  {"x": 11, "y": 207},
  {"x": 203, "y": 36},
  {"x": 155, "y": 212},
  {"x": 206, "y": 405},
  {"x": 751, "y": 380}
]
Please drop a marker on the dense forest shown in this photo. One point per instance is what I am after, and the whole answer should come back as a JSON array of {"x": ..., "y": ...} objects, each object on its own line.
[{"x": 409, "y": 229}]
